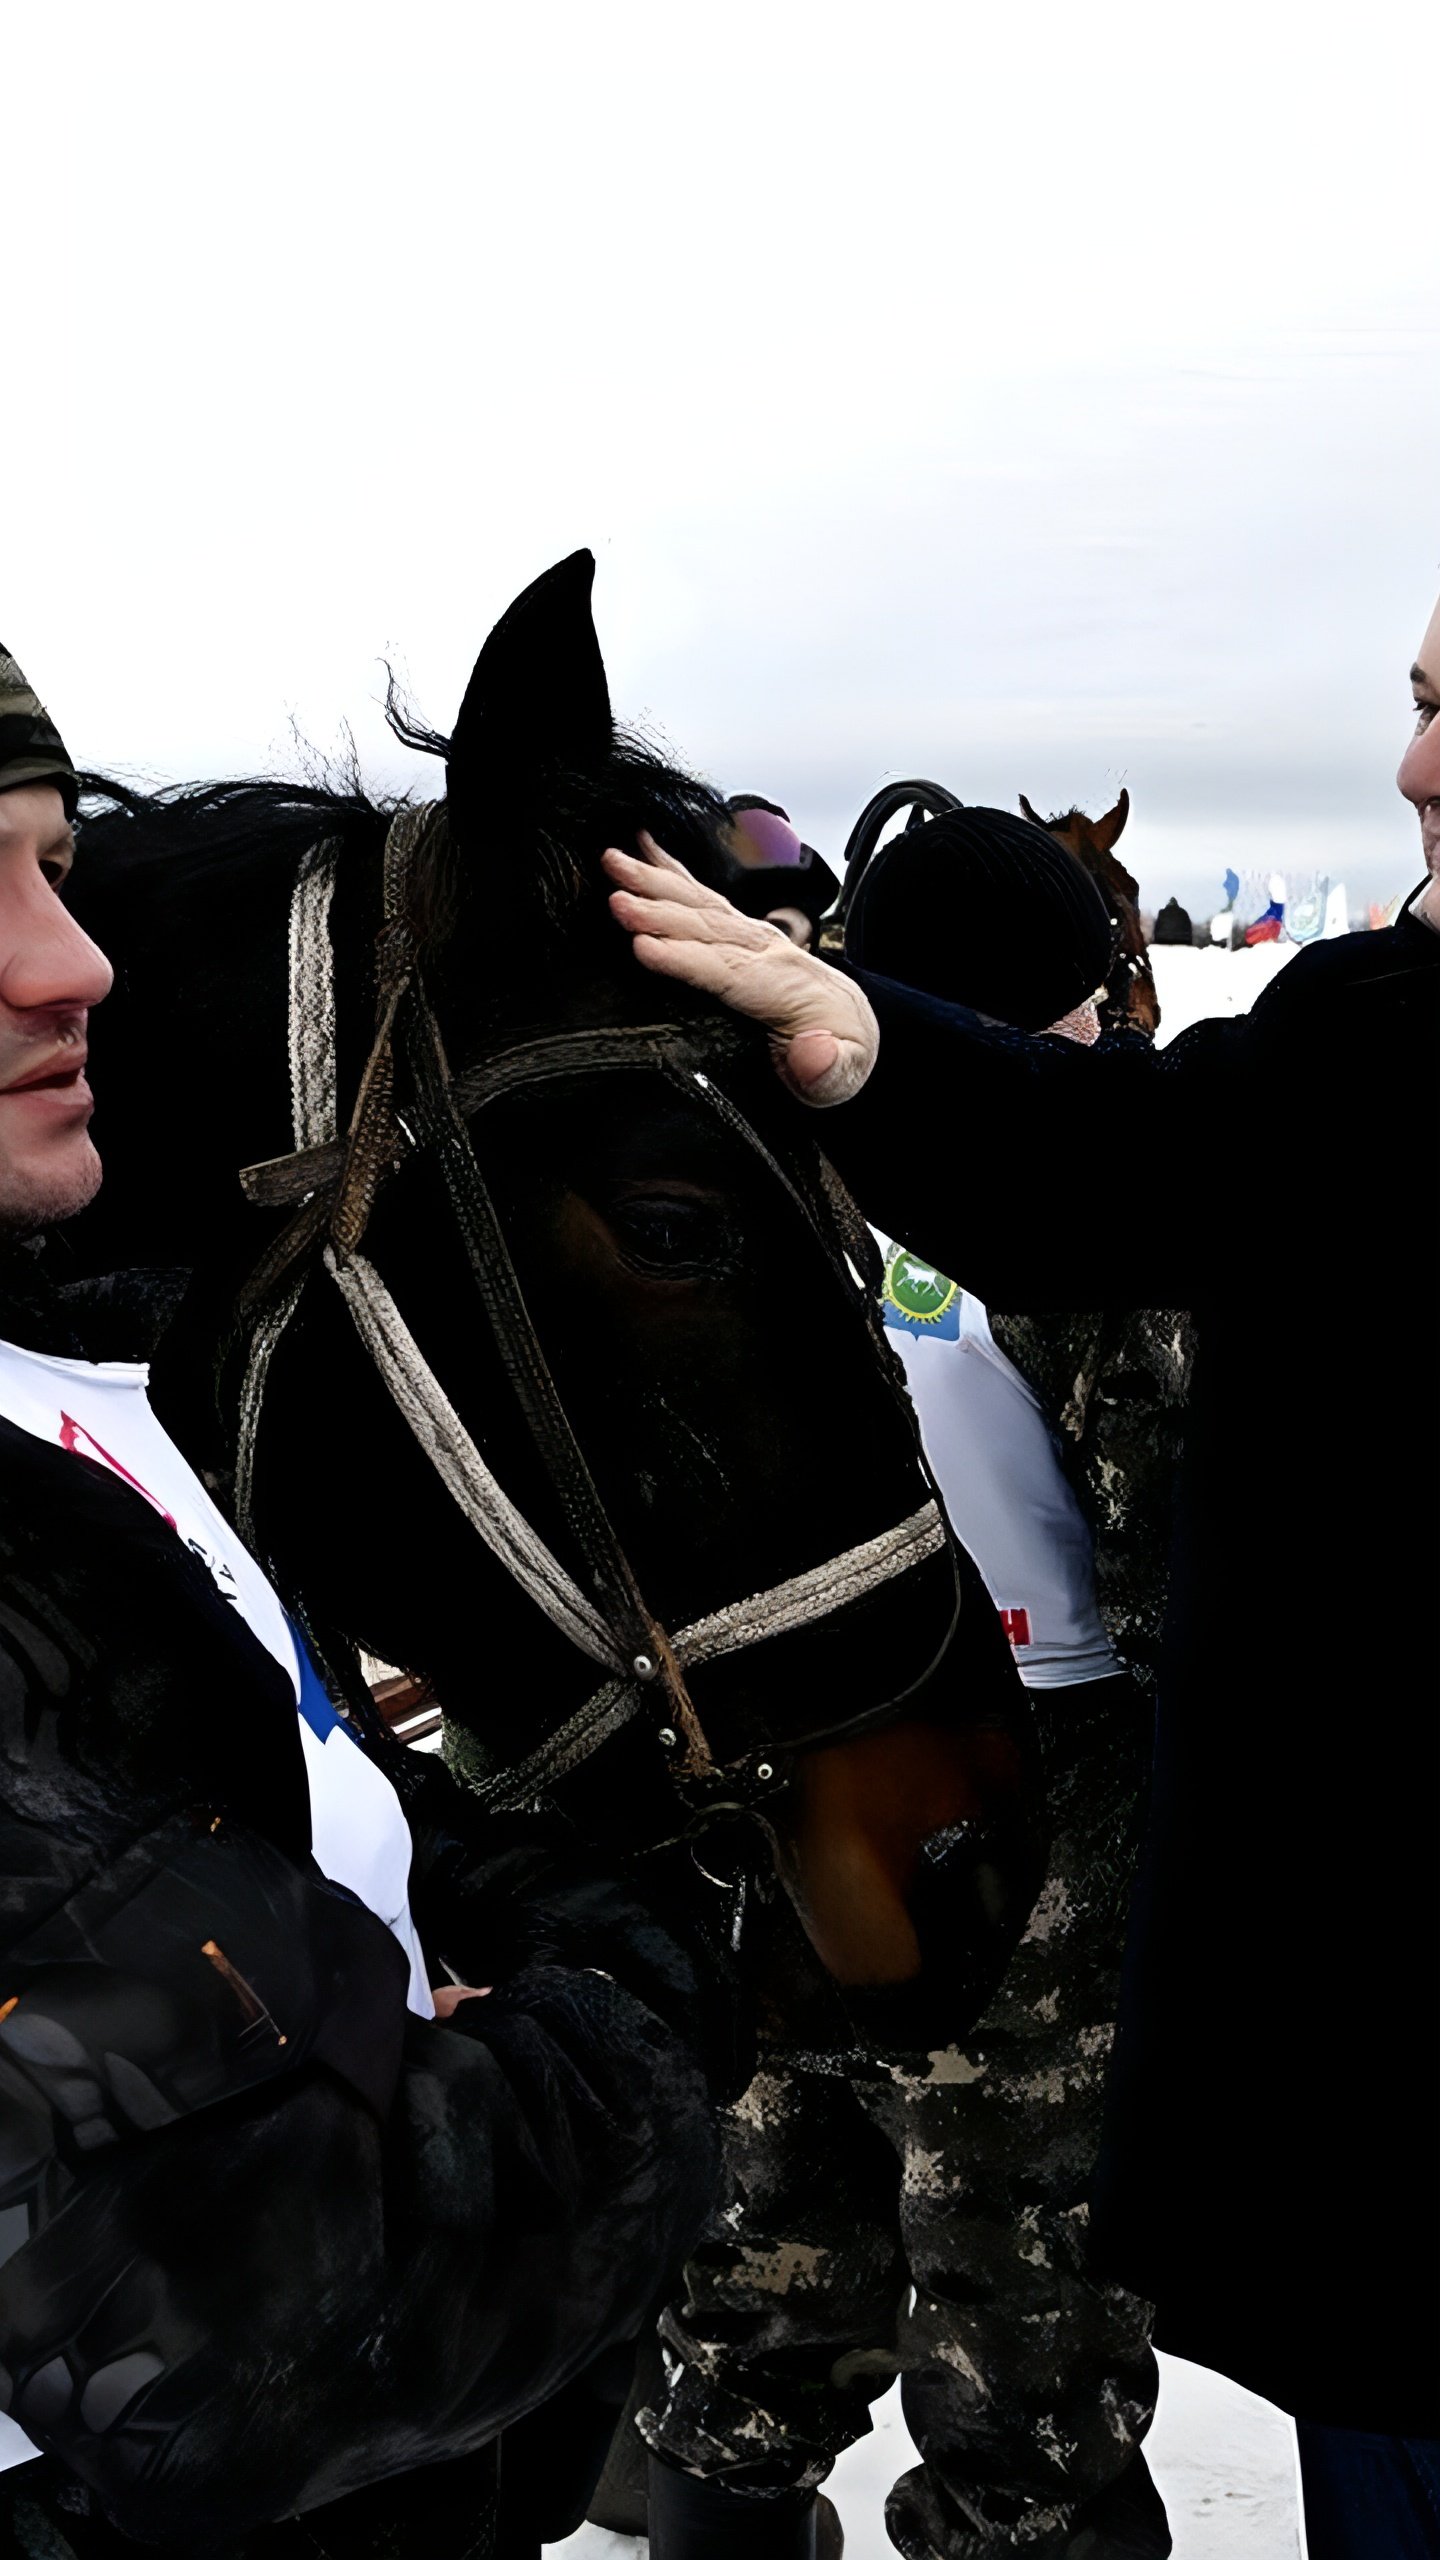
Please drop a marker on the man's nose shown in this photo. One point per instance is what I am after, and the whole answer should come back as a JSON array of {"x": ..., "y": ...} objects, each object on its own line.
[
  {"x": 1419, "y": 774},
  {"x": 51, "y": 961}
]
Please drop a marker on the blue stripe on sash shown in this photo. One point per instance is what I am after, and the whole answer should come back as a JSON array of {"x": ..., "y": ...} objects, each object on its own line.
[{"x": 313, "y": 1703}]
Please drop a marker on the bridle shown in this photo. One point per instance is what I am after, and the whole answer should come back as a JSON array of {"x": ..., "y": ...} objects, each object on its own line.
[{"x": 408, "y": 1102}]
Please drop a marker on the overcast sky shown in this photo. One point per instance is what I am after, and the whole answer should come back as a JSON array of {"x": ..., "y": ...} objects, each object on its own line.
[{"x": 1038, "y": 397}]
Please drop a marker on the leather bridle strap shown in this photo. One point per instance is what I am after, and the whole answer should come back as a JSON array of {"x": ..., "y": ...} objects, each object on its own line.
[
  {"x": 416, "y": 1391},
  {"x": 332, "y": 1185},
  {"x": 439, "y": 1126},
  {"x": 786, "y": 1609},
  {"x": 610, "y": 1622}
]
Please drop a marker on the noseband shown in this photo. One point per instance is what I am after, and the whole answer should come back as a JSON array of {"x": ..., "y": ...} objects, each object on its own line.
[{"x": 331, "y": 1183}]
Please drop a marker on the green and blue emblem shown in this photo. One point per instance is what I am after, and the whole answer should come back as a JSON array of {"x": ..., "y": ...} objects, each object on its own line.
[{"x": 916, "y": 1298}]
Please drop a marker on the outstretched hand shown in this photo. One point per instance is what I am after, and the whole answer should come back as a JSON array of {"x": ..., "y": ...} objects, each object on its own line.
[{"x": 823, "y": 1034}]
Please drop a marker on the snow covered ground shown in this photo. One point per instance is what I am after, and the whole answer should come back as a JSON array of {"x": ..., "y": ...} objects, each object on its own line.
[
  {"x": 1224, "y": 2460},
  {"x": 1192, "y": 984},
  {"x": 1225, "y": 2463}
]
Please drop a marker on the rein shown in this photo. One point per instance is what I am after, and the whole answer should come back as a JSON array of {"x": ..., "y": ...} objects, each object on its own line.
[{"x": 331, "y": 1182}]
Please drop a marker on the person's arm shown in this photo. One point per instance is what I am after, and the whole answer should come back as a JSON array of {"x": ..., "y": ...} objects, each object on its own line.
[
  {"x": 252, "y": 2282},
  {"x": 995, "y": 1154},
  {"x": 1038, "y": 1173},
  {"x": 257, "y": 2311}
]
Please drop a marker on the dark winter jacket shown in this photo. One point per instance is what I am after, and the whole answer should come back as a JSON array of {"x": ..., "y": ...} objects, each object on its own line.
[
  {"x": 284, "y": 2237},
  {"x": 1271, "y": 2174}
]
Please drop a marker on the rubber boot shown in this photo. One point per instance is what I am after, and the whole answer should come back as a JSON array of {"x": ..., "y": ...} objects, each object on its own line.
[{"x": 693, "y": 2519}]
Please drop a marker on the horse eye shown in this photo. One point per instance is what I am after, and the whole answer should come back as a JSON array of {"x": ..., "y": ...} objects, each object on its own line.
[{"x": 659, "y": 1233}]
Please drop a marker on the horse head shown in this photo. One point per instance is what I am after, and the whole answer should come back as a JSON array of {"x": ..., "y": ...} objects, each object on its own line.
[
  {"x": 548, "y": 1342},
  {"x": 1131, "y": 999}
]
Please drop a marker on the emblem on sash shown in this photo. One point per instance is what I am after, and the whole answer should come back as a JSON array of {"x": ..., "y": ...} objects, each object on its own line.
[{"x": 916, "y": 1298}]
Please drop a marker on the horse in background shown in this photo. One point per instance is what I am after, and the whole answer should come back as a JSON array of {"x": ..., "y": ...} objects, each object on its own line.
[{"x": 1131, "y": 1002}]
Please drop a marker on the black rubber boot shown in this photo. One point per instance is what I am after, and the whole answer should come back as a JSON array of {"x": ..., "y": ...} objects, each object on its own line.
[{"x": 692, "y": 2519}]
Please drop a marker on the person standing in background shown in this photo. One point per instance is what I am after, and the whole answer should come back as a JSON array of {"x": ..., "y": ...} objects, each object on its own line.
[{"x": 1028, "y": 2385}]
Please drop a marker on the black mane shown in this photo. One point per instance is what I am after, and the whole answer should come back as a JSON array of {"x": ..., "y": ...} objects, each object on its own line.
[{"x": 537, "y": 868}]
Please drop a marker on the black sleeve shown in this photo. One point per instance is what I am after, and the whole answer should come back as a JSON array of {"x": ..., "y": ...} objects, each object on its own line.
[
  {"x": 155, "y": 1959},
  {"x": 258, "y": 2273},
  {"x": 996, "y": 1154},
  {"x": 272, "y": 2304}
]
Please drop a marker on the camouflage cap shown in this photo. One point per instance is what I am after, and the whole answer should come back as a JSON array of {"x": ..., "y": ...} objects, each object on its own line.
[{"x": 31, "y": 747}]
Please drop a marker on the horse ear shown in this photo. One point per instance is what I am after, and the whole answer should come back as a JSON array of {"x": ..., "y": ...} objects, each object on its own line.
[
  {"x": 537, "y": 695},
  {"x": 1108, "y": 830},
  {"x": 1027, "y": 812}
]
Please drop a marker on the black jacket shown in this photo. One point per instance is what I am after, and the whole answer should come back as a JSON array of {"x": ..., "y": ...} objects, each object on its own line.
[
  {"x": 1272, "y": 2176},
  {"x": 285, "y": 2238}
]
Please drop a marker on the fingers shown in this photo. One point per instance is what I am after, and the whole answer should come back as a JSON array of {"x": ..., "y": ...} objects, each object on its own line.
[
  {"x": 809, "y": 1058},
  {"x": 821, "y": 1070},
  {"x": 447, "y": 1996},
  {"x": 824, "y": 1035},
  {"x": 715, "y": 921},
  {"x": 656, "y": 854},
  {"x": 714, "y": 967},
  {"x": 662, "y": 878}
]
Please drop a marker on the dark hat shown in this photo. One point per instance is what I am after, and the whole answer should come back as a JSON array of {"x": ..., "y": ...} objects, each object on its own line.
[
  {"x": 983, "y": 909},
  {"x": 31, "y": 747}
]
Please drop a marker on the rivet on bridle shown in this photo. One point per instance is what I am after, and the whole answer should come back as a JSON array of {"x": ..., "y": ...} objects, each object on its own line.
[
  {"x": 702, "y": 1081},
  {"x": 764, "y": 1771},
  {"x": 643, "y": 1667},
  {"x": 666, "y": 1736}
]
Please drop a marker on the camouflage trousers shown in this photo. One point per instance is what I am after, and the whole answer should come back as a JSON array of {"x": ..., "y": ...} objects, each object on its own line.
[{"x": 929, "y": 2219}]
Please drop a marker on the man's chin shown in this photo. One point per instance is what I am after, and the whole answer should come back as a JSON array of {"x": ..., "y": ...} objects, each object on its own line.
[{"x": 36, "y": 1196}]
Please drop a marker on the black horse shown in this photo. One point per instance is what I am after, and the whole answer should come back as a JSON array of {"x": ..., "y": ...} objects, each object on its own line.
[
  {"x": 523, "y": 1376},
  {"x": 678, "y": 1247}
]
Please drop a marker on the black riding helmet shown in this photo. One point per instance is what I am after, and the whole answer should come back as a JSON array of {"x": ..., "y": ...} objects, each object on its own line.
[{"x": 986, "y": 910}]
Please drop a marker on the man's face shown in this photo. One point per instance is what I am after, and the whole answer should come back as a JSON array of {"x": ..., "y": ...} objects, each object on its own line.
[
  {"x": 50, "y": 975},
  {"x": 1419, "y": 774}
]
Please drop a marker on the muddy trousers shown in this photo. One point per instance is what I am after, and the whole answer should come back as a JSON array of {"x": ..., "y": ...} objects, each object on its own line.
[{"x": 930, "y": 2220}]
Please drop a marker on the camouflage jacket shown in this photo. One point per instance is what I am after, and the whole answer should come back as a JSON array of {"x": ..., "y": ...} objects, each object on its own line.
[{"x": 1113, "y": 1389}]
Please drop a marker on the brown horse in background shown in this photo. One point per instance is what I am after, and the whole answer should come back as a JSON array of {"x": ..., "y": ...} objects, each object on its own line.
[{"x": 1130, "y": 998}]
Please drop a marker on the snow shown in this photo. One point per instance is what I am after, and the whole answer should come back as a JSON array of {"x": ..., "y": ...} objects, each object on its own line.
[
  {"x": 1224, "y": 2462},
  {"x": 1192, "y": 984}
]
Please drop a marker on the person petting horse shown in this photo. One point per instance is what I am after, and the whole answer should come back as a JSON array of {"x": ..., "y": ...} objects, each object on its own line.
[
  {"x": 278, "y": 2220},
  {"x": 1027, "y": 2384},
  {"x": 1268, "y": 2173}
]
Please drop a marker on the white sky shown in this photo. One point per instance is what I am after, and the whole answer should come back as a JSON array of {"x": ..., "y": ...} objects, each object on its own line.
[{"x": 1039, "y": 397}]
